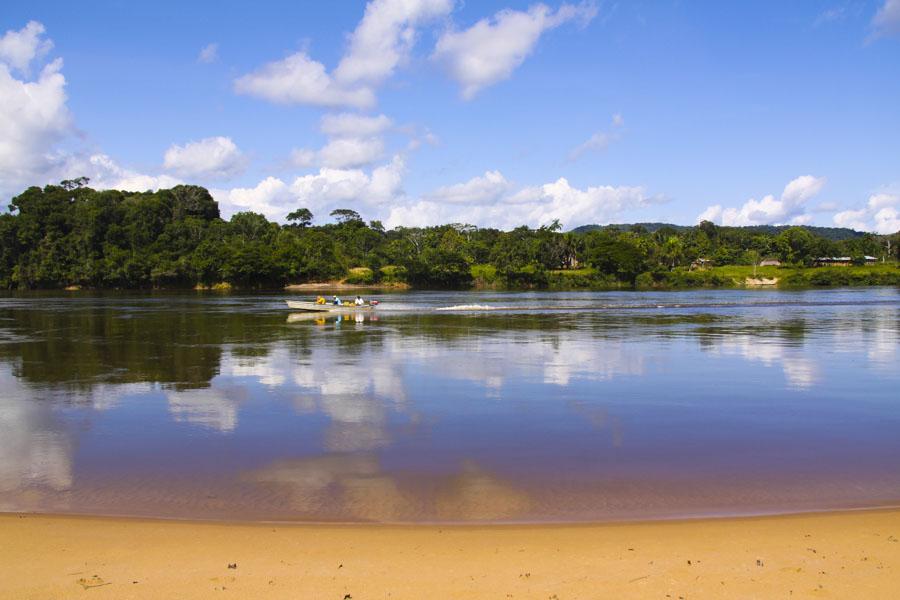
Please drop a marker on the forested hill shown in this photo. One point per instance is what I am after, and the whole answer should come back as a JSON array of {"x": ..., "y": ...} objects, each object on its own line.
[
  {"x": 829, "y": 233},
  {"x": 71, "y": 235}
]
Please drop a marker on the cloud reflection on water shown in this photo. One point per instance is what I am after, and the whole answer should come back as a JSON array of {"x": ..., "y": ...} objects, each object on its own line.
[
  {"x": 35, "y": 451},
  {"x": 799, "y": 371},
  {"x": 356, "y": 486}
]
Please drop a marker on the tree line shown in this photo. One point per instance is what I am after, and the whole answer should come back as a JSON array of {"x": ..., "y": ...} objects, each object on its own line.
[{"x": 72, "y": 235}]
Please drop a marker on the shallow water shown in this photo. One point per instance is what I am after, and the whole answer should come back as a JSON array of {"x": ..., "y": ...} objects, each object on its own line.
[{"x": 508, "y": 407}]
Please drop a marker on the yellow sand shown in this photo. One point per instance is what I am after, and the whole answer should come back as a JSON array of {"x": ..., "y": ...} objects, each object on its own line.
[{"x": 837, "y": 555}]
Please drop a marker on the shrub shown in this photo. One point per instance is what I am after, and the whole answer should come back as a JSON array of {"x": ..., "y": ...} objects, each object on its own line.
[
  {"x": 360, "y": 276},
  {"x": 393, "y": 274}
]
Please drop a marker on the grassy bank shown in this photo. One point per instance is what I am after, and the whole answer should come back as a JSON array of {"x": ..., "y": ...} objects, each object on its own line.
[
  {"x": 729, "y": 276},
  {"x": 784, "y": 277}
]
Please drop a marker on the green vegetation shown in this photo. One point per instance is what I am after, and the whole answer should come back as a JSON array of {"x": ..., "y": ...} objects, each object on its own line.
[{"x": 71, "y": 235}]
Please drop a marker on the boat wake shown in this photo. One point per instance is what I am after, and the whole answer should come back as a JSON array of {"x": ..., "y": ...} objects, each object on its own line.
[{"x": 463, "y": 307}]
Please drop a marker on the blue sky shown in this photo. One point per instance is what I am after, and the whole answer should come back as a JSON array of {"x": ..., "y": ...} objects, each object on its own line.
[{"x": 495, "y": 113}]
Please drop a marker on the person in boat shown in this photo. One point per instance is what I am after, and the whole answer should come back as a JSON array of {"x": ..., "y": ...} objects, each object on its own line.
[
  {"x": 320, "y": 300},
  {"x": 359, "y": 301},
  {"x": 336, "y": 301}
]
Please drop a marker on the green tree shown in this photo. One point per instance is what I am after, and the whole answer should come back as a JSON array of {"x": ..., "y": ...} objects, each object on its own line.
[
  {"x": 345, "y": 215},
  {"x": 302, "y": 217}
]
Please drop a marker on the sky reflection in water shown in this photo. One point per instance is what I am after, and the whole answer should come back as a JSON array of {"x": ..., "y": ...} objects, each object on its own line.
[{"x": 618, "y": 406}]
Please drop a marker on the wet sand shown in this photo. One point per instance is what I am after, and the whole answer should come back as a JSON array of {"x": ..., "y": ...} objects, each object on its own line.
[{"x": 837, "y": 555}]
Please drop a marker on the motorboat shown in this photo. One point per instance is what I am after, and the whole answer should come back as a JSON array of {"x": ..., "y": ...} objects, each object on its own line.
[{"x": 308, "y": 306}]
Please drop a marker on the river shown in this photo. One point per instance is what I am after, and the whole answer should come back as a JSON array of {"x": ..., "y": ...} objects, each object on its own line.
[{"x": 451, "y": 406}]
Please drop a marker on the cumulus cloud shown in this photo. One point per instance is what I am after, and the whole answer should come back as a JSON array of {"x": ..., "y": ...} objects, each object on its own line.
[
  {"x": 354, "y": 142},
  {"x": 298, "y": 79},
  {"x": 325, "y": 190},
  {"x": 106, "y": 173},
  {"x": 479, "y": 190},
  {"x": 600, "y": 140},
  {"x": 490, "y": 200},
  {"x": 34, "y": 120},
  {"x": 271, "y": 197},
  {"x": 19, "y": 48},
  {"x": 491, "y": 49},
  {"x": 303, "y": 158},
  {"x": 384, "y": 37},
  {"x": 887, "y": 20},
  {"x": 33, "y": 113},
  {"x": 790, "y": 208},
  {"x": 380, "y": 43},
  {"x": 208, "y": 54},
  {"x": 214, "y": 157},
  {"x": 881, "y": 215},
  {"x": 354, "y": 124},
  {"x": 351, "y": 152}
]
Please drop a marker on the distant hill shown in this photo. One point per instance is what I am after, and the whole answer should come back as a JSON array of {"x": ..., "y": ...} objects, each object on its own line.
[{"x": 831, "y": 233}]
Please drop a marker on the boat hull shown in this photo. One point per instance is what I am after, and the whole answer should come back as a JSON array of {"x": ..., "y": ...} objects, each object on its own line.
[{"x": 303, "y": 306}]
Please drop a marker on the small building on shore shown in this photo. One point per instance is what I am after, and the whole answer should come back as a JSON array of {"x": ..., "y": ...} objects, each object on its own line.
[
  {"x": 701, "y": 263},
  {"x": 842, "y": 261},
  {"x": 770, "y": 262}
]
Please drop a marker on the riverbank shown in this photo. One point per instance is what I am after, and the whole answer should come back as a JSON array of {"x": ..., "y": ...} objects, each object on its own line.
[
  {"x": 342, "y": 285},
  {"x": 842, "y": 555}
]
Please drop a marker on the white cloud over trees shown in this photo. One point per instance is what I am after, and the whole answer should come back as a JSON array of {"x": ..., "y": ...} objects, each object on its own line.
[
  {"x": 881, "y": 214},
  {"x": 33, "y": 112},
  {"x": 209, "y": 158},
  {"x": 789, "y": 208}
]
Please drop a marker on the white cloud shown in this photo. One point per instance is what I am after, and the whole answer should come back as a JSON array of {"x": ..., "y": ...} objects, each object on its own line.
[
  {"x": 600, "y": 140},
  {"x": 354, "y": 125},
  {"x": 19, "y": 48},
  {"x": 340, "y": 153},
  {"x": 329, "y": 186},
  {"x": 380, "y": 43},
  {"x": 271, "y": 197},
  {"x": 492, "y": 49},
  {"x": 351, "y": 152},
  {"x": 789, "y": 208},
  {"x": 386, "y": 182},
  {"x": 322, "y": 191},
  {"x": 887, "y": 20},
  {"x": 105, "y": 173},
  {"x": 214, "y": 157},
  {"x": 384, "y": 37},
  {"x": 492, "y": 201},
  {"x": 479, "y": 190},
  {"x": 34, "y": 119},
  {"x": 881, "y": 215},
  {"x": 33, "y": 113},
  {"x": 355, "y": 142},
  {"x": 298, "y": 79},
  {"x": 208, "y": 54},
  {"x": 801, "y": 189},
  {"x": 830, "y": 15},
  {"x": 303, "y": 158}
]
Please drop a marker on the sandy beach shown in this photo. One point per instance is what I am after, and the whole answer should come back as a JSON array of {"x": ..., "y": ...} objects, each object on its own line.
[{"x": 835, "y": 555}]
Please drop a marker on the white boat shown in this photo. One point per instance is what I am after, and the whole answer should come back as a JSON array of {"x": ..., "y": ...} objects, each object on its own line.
[{"x": 305, "y": 306}]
